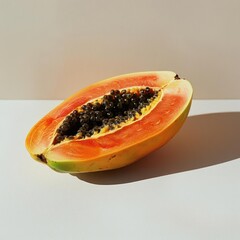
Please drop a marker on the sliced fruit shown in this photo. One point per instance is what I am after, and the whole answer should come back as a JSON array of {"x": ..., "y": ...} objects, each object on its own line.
[{"x": 111, "y": 123}]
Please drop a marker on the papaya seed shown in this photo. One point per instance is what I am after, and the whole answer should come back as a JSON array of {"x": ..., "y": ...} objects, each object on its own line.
[{"x": 108, "y": 112}]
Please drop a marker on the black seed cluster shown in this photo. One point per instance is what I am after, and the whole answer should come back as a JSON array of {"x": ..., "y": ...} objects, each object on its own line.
[{"x": 113, "y": 109}]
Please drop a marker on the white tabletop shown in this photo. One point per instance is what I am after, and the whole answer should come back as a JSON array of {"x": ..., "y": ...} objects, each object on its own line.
[{"x": 189, "y": 189}]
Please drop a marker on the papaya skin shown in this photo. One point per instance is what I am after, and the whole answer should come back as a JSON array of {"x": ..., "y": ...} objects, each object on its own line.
[{"x": 105, "y": 153}]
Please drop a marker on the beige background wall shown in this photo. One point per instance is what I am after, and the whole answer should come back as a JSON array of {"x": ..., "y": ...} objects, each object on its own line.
[{"x": 49, "y": 49}]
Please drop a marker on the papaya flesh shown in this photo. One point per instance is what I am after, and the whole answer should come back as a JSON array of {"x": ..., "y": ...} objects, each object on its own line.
[{"x": 160, "y": 102}]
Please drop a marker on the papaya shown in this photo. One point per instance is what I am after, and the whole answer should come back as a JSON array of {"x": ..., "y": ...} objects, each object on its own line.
[{"x": 111, "y": 123}]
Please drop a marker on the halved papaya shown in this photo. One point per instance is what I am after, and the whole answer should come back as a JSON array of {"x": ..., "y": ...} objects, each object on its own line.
[{"x": 111, "y": 123}]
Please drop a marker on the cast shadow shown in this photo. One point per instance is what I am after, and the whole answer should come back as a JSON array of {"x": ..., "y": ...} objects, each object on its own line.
[{"x": 203, "y": 141}]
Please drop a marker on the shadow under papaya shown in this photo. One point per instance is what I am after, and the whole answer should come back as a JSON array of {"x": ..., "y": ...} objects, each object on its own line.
[{"x": 203, "y": 141}]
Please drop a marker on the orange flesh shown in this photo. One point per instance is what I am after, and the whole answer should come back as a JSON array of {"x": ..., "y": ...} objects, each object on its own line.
[{"x": 176, "y": 98}]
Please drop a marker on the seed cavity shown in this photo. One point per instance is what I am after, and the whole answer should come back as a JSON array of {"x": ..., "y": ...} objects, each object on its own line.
[{"x": 110, "y": 112}]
